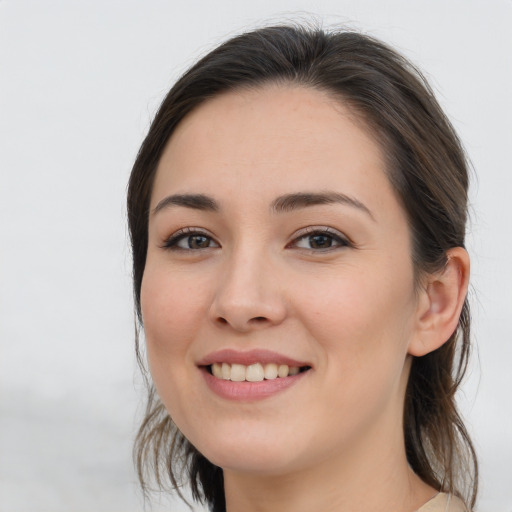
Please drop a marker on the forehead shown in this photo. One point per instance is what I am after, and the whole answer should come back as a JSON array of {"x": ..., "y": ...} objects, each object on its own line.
[{"x": 270, "y": 141}]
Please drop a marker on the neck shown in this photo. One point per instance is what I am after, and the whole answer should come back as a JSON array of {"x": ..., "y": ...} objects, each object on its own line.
[{"x": 364, "y": 484}]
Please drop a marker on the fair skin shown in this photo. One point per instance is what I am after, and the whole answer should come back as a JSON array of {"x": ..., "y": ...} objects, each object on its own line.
[{"x": 329, "y": 286}]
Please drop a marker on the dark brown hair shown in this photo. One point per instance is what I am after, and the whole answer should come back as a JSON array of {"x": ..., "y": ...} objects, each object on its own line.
[{"x": 428, "y": 170}]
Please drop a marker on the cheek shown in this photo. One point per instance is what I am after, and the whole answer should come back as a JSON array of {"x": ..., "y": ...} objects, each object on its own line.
[
  {"x": 171, "y": 313},
  {"x": 363, "y": 331},
  {"x": 363, "y": 319}
]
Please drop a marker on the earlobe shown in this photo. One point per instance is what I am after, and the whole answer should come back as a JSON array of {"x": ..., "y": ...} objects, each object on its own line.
[{"x": 440, "y": 303}]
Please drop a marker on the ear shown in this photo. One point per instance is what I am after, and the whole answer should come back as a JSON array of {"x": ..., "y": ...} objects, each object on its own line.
[{"x": 440, "y": 303}]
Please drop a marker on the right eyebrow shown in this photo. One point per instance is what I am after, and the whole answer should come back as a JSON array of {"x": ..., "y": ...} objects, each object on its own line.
[{"x": 195, "y": 201}]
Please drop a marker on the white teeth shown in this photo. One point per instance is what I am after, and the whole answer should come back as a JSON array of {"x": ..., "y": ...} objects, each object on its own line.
[
  {"x": 256, "y": 372},
  {"x": 283, "y": 370},
  {"x": 217, "y": 370},
  {"x": 237, "y": 372},
  {"x": 270, "y": 371},
  {"x": 226, "y": 371}
]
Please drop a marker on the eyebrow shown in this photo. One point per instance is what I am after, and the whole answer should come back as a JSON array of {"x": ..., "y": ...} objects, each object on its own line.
[
  {"x": 283, "y": 204},
  {"x": 291, "y": 202},
  {"x": 195, "y": 201}
]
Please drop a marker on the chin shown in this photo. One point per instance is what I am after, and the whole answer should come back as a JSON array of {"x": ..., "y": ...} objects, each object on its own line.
[
  {"x": 251, "y": 462},
  {"x": 248, "y": 454}
]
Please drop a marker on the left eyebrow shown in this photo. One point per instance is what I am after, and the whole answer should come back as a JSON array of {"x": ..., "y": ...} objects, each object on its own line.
[{"x": 291, "y": 202}]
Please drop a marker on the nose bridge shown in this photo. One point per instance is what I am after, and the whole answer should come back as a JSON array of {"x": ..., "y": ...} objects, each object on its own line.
[{"x": 248, "y": 293}]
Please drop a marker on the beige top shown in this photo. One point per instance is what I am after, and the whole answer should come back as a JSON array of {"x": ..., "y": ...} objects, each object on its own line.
[{"x": 443, "y": 502}]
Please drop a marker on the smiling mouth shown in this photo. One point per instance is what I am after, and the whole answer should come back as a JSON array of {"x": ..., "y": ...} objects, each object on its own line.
[{"x": 256, "y": 372}]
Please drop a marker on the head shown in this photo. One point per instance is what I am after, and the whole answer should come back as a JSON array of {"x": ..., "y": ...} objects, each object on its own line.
[{"x": 387, "y": 108}]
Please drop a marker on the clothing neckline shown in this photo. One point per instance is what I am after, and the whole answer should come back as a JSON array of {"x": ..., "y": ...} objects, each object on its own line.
[
  {"x": 443, "y": 502},
  {"x": 431, "y": 501}
]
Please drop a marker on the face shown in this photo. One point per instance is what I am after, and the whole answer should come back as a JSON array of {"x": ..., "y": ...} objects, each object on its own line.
[{"x": 277, "y": 245}]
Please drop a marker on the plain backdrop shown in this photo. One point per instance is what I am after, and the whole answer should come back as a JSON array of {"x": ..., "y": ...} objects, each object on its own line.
[{"x": 79, "y": 84}]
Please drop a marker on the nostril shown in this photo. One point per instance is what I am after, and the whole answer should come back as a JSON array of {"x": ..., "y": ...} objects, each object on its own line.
[{"x": 242, "y": 324}]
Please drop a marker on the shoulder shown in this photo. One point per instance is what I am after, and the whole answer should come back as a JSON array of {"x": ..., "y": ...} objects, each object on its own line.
[{"x": 443, "y": 502}]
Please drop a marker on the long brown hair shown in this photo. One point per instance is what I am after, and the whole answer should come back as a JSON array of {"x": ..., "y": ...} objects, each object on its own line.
[{"x": 428, "y": 170}]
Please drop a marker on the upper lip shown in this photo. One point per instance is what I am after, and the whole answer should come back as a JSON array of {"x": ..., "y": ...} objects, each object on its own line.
[{"x": 249, "y": 357}]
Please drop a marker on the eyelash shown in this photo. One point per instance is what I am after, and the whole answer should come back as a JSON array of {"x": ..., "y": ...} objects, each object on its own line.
[
  {"x": 172, "y": 242},
  {"x": 335, "y": 236}
]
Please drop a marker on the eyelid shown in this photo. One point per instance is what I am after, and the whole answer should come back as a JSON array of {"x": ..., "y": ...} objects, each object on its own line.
[
  {"x": 343, "y": 240},
  {"x": 172, "y": 241}
]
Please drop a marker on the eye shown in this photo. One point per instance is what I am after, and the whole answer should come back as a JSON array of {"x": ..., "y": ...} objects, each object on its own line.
[
  {"x": 320, "y": 240},
  {"x": 189, "y": 239}
]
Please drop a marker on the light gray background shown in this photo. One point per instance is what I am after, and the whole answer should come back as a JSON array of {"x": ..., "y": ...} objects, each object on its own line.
[{"x": 79, "y": 83}]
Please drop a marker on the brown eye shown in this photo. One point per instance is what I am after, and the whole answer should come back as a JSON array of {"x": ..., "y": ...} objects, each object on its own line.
[
  {"x": 189, "y": 240},
  {"x": 320, "y": 241},
  {"x": 197, "y": 242}
]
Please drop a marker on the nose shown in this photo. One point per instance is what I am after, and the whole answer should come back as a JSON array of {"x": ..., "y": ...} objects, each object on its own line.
[{"x": 248, "y": 294}]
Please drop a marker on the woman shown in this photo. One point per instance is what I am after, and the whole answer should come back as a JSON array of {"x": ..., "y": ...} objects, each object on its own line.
[{"x": 297, "y": 215}]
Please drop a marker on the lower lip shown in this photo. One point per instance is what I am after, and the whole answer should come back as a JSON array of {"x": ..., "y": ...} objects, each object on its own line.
[{"x": 249, "y": 391}]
